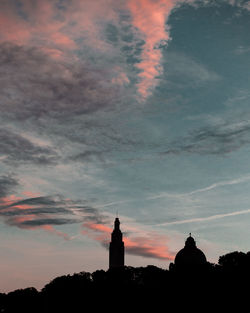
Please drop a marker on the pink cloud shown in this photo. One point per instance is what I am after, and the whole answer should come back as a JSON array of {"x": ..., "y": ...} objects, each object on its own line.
[
  {"x": 12, "y": 204},
  {"x": 40, "y": 27},
  {"x": 48, "y": 228},
  {"x": 56, "y": 31},
  {"x": 154, "y": 247},
  {"x": 100, "y": 232},
  {"x": 6, "y": 201},
  {"x": 120, "y": 78},
  {"x": 52, "y": 230},
  {"x": 149, "y": 18},
  {"x": 13, "y": 29},
  {"x": 63, "y": 40},
  {"x": 81, "y": 25},
  {"x": 151, "y": 245},
  {"x": 38, "y": 12},
  {"x": 30, "y": 194}
]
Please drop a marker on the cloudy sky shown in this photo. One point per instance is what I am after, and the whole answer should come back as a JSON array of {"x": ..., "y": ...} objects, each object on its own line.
[{"x": 139, "y": 107}]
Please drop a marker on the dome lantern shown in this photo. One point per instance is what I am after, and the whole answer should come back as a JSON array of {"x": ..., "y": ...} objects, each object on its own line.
[{"x": 190, "y": 242}]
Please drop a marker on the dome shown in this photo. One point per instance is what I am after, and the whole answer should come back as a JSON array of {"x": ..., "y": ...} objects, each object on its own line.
[{"x": 190, "y": 254}]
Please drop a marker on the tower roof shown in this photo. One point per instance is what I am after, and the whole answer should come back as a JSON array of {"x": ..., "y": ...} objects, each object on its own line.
[
  {"x": 117, "y": 223},
  {"x": 116, "y": 247}
]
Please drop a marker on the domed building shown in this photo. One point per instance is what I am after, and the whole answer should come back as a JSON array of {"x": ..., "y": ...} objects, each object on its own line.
[{"x": 190, "y": 255}]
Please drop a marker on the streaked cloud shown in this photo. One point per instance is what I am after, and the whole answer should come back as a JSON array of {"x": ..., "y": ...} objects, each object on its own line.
[
  {"x": 219, "y": 184},
  {"x": 149, "y": 18},
  {"x": 8, "y": 184},
  {"x": 205, "y": 219},
  {"x": 45, "y": 212},
  {"x": 35, "y": 86},
  {"x": 150, "y": 244},
  {"x": 183, "y": 71},
  {"x": 16, "y": 149},
  {"x": 217, "y": 139}
]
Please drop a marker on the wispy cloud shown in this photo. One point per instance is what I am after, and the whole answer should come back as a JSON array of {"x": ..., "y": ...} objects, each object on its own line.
[
  {"x": 242, "y": 49},
  {"x": 16, "y": 149},
  {"x": 54, "y": 24},
  {"x": 150, "y": 244},
  {"x": 217, "y": 139},
  {"x": 45, "y": 212},
  {"x": 219, "y": 184},
  {"x": 222, "y": 184},
  {"x": 65, "y": 30},
  {"x": 240, "y": 4},
  {"x": 53, "y": 88},
  {"x": 48, "y": 88},
  {"x": 149, "y": 18},
  {"x": 205, "y": 219},
  {"x": 183, "y": 71},
  {"x": 8, "y": 184}
]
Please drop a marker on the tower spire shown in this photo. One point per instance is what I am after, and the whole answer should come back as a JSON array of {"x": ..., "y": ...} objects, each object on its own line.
[{"x": 116, "y": 247}]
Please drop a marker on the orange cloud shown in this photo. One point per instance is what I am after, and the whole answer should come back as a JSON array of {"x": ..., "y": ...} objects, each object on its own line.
[
  {"x": 100, "y": 232},
  {"x": 148, "y": 247},
  {"x": 11, "y": 199},
  {"x": 153, "y": 246},
  {"x": 12, "y": 27},
  {"x": 41, "y": 27},
  {"x": 8, "y": 201},
  {"x": 54, "y": 231},
  {"x": 30, "y": 194},
  {"x": 19, "y": 221},
  {"x": 149, "y": 17},
  {"x": 57, "y": 31},
  {"x": 49, "y": 228}
]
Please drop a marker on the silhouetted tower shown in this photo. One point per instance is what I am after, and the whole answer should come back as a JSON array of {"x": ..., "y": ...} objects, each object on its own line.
[{"x": 116, "y": 247}]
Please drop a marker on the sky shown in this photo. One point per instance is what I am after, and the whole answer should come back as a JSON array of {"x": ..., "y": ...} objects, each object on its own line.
[{"x": 138, "y": 108}]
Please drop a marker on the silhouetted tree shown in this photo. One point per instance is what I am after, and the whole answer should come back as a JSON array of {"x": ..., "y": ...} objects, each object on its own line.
[
  {"x": 65, "y": 293},
  {"x": 221, "y": 287},
  {"x": 23, "y": 300},
  {"x": 234, "y": 261},
  {"x": 3, "y": 297}
]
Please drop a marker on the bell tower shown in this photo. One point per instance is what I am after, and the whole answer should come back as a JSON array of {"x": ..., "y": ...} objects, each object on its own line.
[{"x": 116, "y": 247}]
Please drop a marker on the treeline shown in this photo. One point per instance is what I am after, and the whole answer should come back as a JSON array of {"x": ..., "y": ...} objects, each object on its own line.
[{"x": 222, "y": 287}]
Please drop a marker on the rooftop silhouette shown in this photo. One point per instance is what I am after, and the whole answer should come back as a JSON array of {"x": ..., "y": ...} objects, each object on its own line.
[
  {"x": 220, "y": 287},
  {"x": 190, "y": 254},
  {"x": 116, "y": 247}
]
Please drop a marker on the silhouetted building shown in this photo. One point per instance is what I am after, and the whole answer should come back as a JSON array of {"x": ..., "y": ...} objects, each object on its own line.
[
  {"x": 190, "y": 255},
  {"x": 116, "y": 247}
]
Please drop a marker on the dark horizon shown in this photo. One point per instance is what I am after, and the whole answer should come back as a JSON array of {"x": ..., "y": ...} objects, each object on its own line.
[
  {"x": 188, "y": 259},
  {"x": 206, "y": 287},
  {"x": 220, "y": 287}
]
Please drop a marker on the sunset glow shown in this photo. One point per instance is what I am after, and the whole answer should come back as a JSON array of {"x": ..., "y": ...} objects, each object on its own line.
[{"x": 135, "y": 109}]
